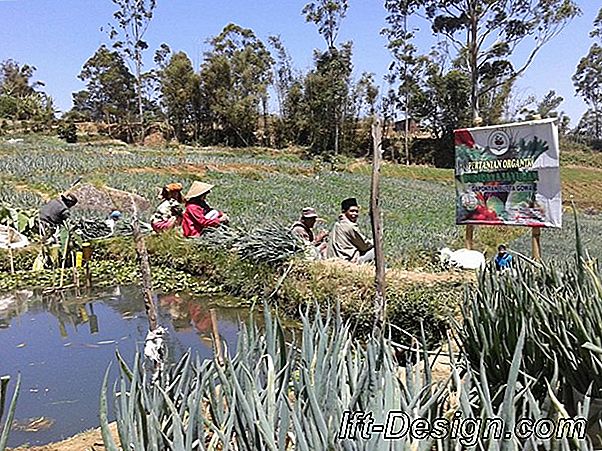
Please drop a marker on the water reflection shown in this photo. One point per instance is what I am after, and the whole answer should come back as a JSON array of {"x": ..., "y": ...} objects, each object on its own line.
[{"x": 62, "y": 344}]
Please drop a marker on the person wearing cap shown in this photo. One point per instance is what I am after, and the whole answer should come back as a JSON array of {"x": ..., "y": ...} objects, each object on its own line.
[
  {"x": 198, "y": 215},
  {"x": 169, "y": 212},
  {"x": 55, "y": 213},
  {"x": 303, "y": 229},
  {"x": 112, "y": 219},
  {"x": 346, "y": 240}
]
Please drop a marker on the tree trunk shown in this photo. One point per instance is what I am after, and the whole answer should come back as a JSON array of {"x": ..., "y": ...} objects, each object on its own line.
[
  {"x": 473, "y": 63},
  {"x": 375, "y": 217}
]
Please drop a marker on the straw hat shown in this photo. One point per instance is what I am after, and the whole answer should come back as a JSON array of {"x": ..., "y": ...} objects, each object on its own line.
[{"x": 198, "y": 189}]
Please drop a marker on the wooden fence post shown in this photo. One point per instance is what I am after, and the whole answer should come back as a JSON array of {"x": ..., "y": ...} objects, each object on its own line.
[{"x": 379, "y": 299}]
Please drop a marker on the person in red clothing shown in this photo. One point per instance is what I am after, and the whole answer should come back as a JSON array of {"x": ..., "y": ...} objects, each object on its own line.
[{"x": 198, "y": 214}]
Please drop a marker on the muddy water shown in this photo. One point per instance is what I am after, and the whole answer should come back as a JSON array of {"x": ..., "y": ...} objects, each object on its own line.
[{"x": 61, "y": 344}]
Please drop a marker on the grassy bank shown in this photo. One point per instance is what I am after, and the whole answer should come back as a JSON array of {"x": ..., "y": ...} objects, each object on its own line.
[{"x": 191, "y": 266}]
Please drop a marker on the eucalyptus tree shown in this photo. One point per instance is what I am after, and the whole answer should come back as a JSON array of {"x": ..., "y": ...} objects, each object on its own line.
[
  {"x": 235, "y": 76},
  {"x": 180, "y": 96},
  {"x": 327, "y": 87},
  {"x": 110, "y": 89},
  {"x": 588, "y": 80},
  {"x": 485, "y": 34},
  {"x": 132, "y": 19}
]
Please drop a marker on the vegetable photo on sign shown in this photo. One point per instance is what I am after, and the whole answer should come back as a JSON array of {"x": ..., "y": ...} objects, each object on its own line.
[{"x": 508, "y": 175}]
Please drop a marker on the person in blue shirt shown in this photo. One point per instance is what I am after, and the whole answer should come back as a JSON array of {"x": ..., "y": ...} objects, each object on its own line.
[{"x": 503, "y": 260}]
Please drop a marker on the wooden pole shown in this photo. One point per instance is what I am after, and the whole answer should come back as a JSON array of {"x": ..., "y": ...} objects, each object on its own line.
[
  {"x": 10, "y": 250},
  {"x": 375, "y": 217},
  {"x": 216, "y": 338},
  {"x": 535, "y": 243},
  {"x": 145, "y": 271},
  {"x": 468, "y": 237}
]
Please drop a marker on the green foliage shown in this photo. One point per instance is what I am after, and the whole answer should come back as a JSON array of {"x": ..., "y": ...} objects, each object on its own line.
[
  {"x": 180, "y": 94},
  {"x": 275, "y": 395},
  {"x": 588, "y": 84},
  {"x": 234, "y": 80},
  {"x": 486, "y": 35},
  {"x": 68, "y": 132},
  {"x": 557, "y": 307},
  {"x": 110, "y": 88},
  {"x": 23, "y": 221}
]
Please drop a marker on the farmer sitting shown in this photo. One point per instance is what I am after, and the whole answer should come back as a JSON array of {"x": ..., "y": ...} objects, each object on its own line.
[
  {"x": 169, "y": 212},
  {"x": 346, "y": 240},
  {"x": 198, "y": 214},
  {"x": 55, "y": 213},
  {"x": 503, "y": 259},
  {"x": 303, "y": 229}
]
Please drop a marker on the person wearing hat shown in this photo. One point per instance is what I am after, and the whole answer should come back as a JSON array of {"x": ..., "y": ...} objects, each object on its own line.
[
  {"x": 198, "y": 215},
  {"x": 346, "y": 240},
  {"x": 303, "y": 229},
  {"x": 169, "y": 212},
  {"x": 55, "y": 213}
]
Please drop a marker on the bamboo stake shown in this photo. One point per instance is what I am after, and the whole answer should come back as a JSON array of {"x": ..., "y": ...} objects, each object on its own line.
[
  {"x": 145, "y": 270},
  {"x": 10, "y": 250},
  {"x": 375, "y": 217},
  {"x": 216, "y": 338}
]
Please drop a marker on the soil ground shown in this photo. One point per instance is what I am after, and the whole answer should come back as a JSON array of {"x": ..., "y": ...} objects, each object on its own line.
[{"x": 86, "y": 441}]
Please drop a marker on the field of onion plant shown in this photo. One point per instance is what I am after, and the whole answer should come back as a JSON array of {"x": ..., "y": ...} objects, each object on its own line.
[
  {"x": 253, "y": 189},
  {"x": 258, "y": 187}
]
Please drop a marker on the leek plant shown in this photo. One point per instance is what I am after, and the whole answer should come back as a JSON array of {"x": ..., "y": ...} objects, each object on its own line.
[
  {"x": 4, "y": 381},
  {"x": 278, "y": 395},
  {"x": 561, "y": 309}
]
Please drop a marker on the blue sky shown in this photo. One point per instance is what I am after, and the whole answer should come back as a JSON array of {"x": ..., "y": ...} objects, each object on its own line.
[{"x": 58, "y": 36}]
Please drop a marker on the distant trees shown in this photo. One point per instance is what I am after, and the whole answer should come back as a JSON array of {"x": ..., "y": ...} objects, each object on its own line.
[
  {"x": 110, "y": 94},
  {"x": 20, "y": 96},
  {"x": 181, "y": 97},
  {"x": 235, "y": 77},
  {"x": 467, "y": 78},
  {"x": 132, "y": 20},
  {"x": 485, "y": 34},
  {"x": 588, "y": 84}
]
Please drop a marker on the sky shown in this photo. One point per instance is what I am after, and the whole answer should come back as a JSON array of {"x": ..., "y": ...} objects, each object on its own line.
[{"x": 58, "y": 36}]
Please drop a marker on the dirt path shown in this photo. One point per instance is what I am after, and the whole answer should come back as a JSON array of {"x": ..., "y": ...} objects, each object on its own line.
[{"x": 85, "y": 441}]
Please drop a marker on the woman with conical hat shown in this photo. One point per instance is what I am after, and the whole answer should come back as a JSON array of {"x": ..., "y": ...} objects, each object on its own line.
[
  {"x": 169, "y": 213},
  {"x": 198, "y": 214}
]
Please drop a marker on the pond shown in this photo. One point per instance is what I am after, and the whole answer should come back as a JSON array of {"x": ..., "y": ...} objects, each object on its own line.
[{"x": 62, "y": 344}]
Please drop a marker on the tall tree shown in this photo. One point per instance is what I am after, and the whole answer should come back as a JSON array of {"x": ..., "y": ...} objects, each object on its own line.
[
  {"x": 132, "y": 20},
  {"x": 403, "y": 71},
  {"x": 235, "y": 77},
  {"x": 328, "y": 86},
  {"x": 283, "y": 70},
  {"x": 327, "y": 95},
  {"x": 110, "y": 88},
  {"x": 327, "y": 15},
  {"x": 20, "y": 97},
  {"x": 485, "y": 34},
  {"x": 588, "y": 79},
  {"x": 180, "y": 95}
]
